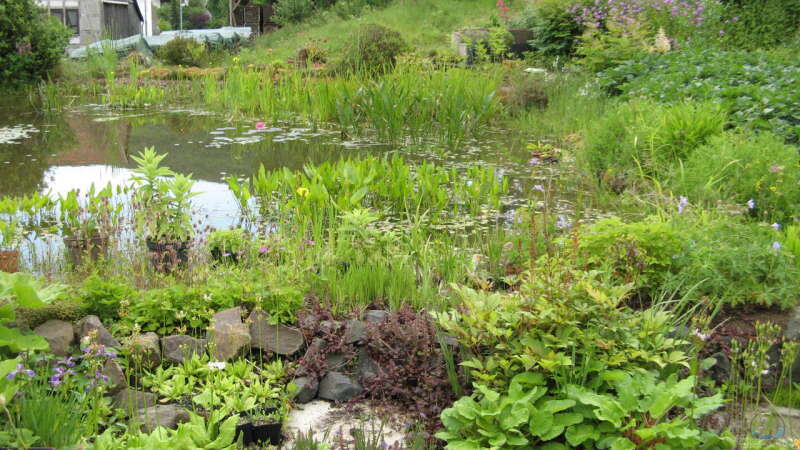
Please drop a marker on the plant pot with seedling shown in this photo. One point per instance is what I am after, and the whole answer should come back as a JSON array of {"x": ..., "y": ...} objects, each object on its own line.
[
  {"x": 10, "y": 241},
  {"x": 164, "y": 204},
  {"x": 87, "y": 222},
  {"x": 265, "y": 426},
  {"x": 228, "y": 246}
]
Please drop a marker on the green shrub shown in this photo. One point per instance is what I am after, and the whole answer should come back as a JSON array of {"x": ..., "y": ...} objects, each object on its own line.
[
  {"x": 733, "y": 263},
  {"x": 760, "y": 90},
  {"x": 602, "y": 50},
  {"x": 737, "y": 167},
  {"x": 760, "y": 23},
  {"x": 373, "y": 48},
  {"x": 103, "y": 297},
  {"x": 183, "y": 52},
  {"x": 640, "y": 252},
  {"x": 31, "y": 42},
  {"x": 642, "y": 137},
  {"x": 555, "y": 31},
  {"x": 228, "y": 244},
  {"x": 288, "y": 12}
]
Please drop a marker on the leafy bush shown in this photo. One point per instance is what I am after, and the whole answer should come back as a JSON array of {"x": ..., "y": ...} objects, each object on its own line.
[
  {"x": 103, "y": 297},
  {"x": 640, "y": 252},
  {"x": 542, "y": 380},
  {"x": 555, "y": 32},
  {"x": 288, "y": 12},
  {"x": 644, "y": 137},
  {"x": 761, "y": 90},
  {"x": 601, "y": 50},
  {"x": 760, "y": 23},
  {"x": 734, "y": 263},
  {"x": 31, "y": 42},
  {"x": 373, "y": 48},
  {"x": 737, "y": 167},
  {"x": 228, "y": 245},
  {"x": 183, "y": 51}
]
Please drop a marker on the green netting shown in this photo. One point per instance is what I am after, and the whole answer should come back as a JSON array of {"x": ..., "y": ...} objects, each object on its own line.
[{"x": 225, "y": 37}]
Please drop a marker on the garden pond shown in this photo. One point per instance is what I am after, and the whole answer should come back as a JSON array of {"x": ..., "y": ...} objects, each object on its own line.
[{"x": 91, "y": 144}]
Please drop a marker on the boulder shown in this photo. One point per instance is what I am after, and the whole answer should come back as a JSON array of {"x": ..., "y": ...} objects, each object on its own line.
[
  {"x": 278, "y": 339},
  {"x": 307, "y": 388},
  {"x": 367, "y": 368},
  {"x": 167, "y": 416},
  {"x": 178, "y": 348},
  {"x": 130, "y": 400},
  {"x": 356, "y": 331},
  {"x": 338, "y": 387},
  {"x": 229, "y": 337},
  {"x": 329, "y": 326},
  {"x": 336, "y": 361},
  {"x": 91, "y": 324},
  {"x": 375, "y": 315},
  {"x": 146, "y": 346},
  {"x": 59, "y": 334},
  {"x": 115, "y": 375}
]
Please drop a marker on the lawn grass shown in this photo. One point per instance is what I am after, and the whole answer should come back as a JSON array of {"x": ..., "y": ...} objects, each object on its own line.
[{"x": 425, "y": 24}]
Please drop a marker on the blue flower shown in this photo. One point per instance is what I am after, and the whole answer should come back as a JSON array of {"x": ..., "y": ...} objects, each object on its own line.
[
  {"x": 751, "y": 204},
  {"x": 683, "y": 202},
  {"x": 776, "y": 226},
  {"x": 539, "y": 188},
  {"x": 776, "y": 245}
]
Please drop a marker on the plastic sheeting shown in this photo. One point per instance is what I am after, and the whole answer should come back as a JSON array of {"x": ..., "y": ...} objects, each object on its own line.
[{"x": 226, "y": 36}]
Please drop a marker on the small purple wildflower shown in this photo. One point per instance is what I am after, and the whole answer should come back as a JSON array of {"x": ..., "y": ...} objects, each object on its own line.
[
  {"x": 563, "y": 223},
  {"x": 776, "y": 226},
  {"x": 683, "y": 202},
  {"x": 263, "y": 250},
  {"x": 226, "y": 254},
  {"x": 776, "y": 245},
  {"x": 534, "y": 161},
  {"x": 539, "y": 188},
  {"x": 751, "y": 204},
  {"x": 20, "y": 369}
]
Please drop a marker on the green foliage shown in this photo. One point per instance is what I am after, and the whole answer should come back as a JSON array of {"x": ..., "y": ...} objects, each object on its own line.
[
  {"x": 164, "y": 198},
  {"x": 229, "y": 245},
  {"x": 646, "y": 138},
  {"x": 640, "y": 253},
  {"x": 31, "y": 42},
  {"x": 217, "y": 432},
  {"x": 11, "y": 234},
  {"x": 761, "y": 90},
  {"x": 733, "y": 263},
  {"x": 555, "y": 31},
  {"x": 737, "y": 167},
  {"x": 176, "y": 308},
  {"x": 602, "y": 50},
  {"x": 761, "y": 23},
  {"x": 228, "y": 388},
  {"x": 373, "y": 49},
  {"x": 621, "y": 411},
  {"x": 21, "y": 290},
  {"x": 91, "y": 214},
  {"x": 103, "y": 296},
  {"x": 288, "y": 12},
  {"x": 183, "y": 51}
]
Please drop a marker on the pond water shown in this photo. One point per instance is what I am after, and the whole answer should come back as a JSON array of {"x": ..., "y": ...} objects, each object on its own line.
[{"x": 56, "y": 152}]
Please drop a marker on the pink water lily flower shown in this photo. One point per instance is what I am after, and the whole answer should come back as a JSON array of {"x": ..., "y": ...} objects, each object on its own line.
[{"x": 260, "y": 125}]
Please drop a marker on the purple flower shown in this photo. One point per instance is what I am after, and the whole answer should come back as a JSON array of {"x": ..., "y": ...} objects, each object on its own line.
[
  {"x": 539, "y": 188},
  {"x": 776, "y": 245},
  {"x": 240, "y": 252},
  {"x": 683, "y": 202},
  {"x": 563, "y": 222},
  {"x": 20, "y": 369},
  {"x": 776, "y": 226},
  {"x": 263, "y": 249},
  {"x": 534, "y": 161},
  {"x": 226, "y": 254},
  {"x": 751, "y": 204}
]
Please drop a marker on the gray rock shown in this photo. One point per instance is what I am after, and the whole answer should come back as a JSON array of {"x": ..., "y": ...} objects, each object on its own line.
[
  {"x": 449, "y": 340},
  {"x": 336, "y": 361},
  {"x": 130, "y": 400},
  {"x": 91, "y": 324},
  {"x": 356, "y": 331},
  {"x": 115, "y": 375},
  {"x": 375, "y": 315},
  {"x": 328, "y": 326},
  {"x": 792, "y": 330},
  {"x": 178, "y": 348},
  {"x": 228, "y": 336},
  {"x": 167, "y": 416},
  {"x": 146, "y": 346},
  {"x": 307, "y": 388},
  {"x": 278, "y": 339},
  {"x": 367, "y": 368},
  {"x": 338, "y": 387},
  {"x": 59, "y": 334}
]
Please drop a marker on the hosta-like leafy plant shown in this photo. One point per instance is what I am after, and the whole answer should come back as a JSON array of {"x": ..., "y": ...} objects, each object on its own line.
[{"x": 624, "y": 411}]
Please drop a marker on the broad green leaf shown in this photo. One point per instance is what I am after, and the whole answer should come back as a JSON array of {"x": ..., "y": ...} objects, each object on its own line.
[
  {"x": 514, "y": 415},
  {"x": 540, "y": 422},
  {"x": 578, "y": 434},
  {"x": 554, "y": 406},
  {"x": 18, "y": 342}
]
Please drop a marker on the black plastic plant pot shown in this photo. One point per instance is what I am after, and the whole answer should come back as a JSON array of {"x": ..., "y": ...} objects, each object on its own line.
[
  {"x": 165, "y": 256},
  {"x": 268, "y": 432},
  {"x": 245, "y": 430}
]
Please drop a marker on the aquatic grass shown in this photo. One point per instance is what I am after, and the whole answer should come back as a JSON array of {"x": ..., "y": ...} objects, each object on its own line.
[{"x": 409, "y": 102}]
